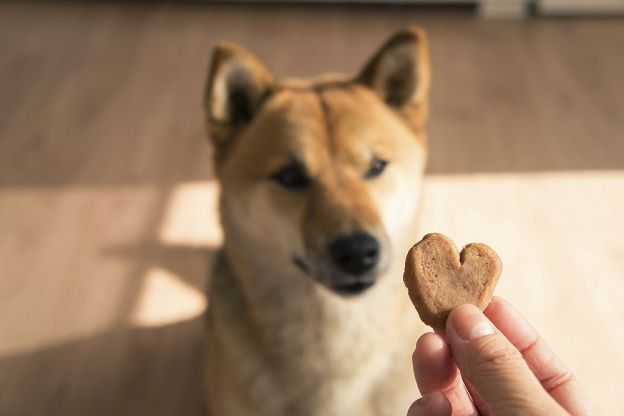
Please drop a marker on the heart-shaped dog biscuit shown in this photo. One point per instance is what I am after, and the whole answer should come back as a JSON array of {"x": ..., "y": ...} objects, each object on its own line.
[{"x": 438, "y": 277}]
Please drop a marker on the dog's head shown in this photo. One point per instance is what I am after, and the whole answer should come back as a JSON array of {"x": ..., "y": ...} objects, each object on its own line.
[{"x": 324, "y": 174}]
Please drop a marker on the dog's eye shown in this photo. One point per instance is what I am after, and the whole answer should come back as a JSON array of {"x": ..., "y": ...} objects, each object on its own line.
[
  {"x": 377, "y": 166},
  {"x": 292, "y": 177}
]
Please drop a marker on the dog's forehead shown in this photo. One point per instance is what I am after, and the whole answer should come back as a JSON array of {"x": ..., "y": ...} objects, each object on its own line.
[
  {"x": 292, "y": 125},
  {"x": 329, "y": 121},
  {"x": 358, "y": 123}
]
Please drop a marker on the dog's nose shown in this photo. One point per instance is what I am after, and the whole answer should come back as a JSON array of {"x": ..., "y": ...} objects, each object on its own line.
[{"x": 355, "y": 253}]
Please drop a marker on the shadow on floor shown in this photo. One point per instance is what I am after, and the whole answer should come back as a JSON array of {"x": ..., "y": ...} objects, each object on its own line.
[
  {"x": 84, "y": 377},
  {"x": 188, "y": 263}
]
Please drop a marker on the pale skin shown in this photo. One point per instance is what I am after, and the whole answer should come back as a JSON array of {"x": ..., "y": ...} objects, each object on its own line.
[{"x": 492, "y": 363}]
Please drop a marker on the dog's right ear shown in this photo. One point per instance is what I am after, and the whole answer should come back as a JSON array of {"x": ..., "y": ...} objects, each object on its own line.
[{"x": 237, "y": 85}]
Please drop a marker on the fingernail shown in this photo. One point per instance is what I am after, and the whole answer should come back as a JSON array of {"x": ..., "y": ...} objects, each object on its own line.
[{"x": 470, "y": 323}]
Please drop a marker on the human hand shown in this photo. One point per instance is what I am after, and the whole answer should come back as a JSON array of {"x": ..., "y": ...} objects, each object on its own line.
[{"x": 495, "y": 366}]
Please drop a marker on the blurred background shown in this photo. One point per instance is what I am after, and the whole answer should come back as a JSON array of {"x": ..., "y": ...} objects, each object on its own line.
[{"x": 108, "y": 226}]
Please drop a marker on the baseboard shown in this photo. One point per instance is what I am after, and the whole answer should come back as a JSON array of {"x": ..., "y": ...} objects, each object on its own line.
[{"x": 503, "y": 9}]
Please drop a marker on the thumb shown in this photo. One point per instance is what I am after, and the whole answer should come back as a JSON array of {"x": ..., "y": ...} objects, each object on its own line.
[{"x": 494, "y": 367}]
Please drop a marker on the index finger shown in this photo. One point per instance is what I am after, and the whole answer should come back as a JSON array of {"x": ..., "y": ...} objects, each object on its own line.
[{"x": 554, "y": 376}]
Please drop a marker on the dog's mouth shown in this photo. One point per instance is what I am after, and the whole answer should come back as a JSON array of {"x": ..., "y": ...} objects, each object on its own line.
[
  {"x": 339, "y": 284},
  {"x": 302, "y": 265},
  {"x": 354, "y": 288}
]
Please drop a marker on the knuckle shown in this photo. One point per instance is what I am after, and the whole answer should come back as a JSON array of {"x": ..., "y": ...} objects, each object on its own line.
[
  {"x": 561, "y": 378},
  {"x": 493, "y": 353}
]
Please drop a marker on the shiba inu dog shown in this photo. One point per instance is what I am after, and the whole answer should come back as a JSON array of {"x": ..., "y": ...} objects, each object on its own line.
[{"x": 320, "y": 183}]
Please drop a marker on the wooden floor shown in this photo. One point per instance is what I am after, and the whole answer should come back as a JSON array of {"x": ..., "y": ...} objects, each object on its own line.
[{"x": 107, "y": 200}]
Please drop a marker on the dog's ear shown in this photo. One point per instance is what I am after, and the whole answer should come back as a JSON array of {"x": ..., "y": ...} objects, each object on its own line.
[
  {"x": 237, "y": 85},
  {"x": 400, "y": 74}
]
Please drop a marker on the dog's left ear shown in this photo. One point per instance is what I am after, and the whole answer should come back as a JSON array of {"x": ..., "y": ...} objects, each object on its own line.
[{"x": 400, "y": 74}]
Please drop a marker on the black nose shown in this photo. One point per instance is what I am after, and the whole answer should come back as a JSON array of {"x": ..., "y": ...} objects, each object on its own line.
[{"x": 355, "y": 253}]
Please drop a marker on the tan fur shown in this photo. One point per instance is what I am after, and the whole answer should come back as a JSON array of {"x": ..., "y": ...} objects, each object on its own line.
[{"x": 278, "y": 341}]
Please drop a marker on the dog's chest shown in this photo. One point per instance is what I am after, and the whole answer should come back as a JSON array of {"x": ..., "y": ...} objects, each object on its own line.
[{"x": 309, "y": 356}]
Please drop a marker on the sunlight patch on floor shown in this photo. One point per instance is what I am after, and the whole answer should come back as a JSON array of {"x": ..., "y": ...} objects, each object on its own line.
[
  {"x": 191, "y": 215},
  {"x": 190, "y": 219},
  {"x": 166, "y": 299}
]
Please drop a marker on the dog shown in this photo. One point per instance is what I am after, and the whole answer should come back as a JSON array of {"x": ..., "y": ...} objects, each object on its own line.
[{"x": 320, "y": 187}]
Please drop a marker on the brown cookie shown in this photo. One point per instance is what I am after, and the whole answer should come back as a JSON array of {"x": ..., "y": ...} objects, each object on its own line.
[{"x": 438, "y": 278}]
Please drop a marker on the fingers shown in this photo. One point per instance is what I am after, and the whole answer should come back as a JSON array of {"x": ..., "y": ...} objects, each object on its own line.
[
  {"x": 434, "y": 404},
  {"x": 434, "y": 367},
  {"x": 554, "y": 376},
  {"x": 494, "y": 367},
  {"x": 508, "y": 372},
  {"x": 436, "y": 371}
]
